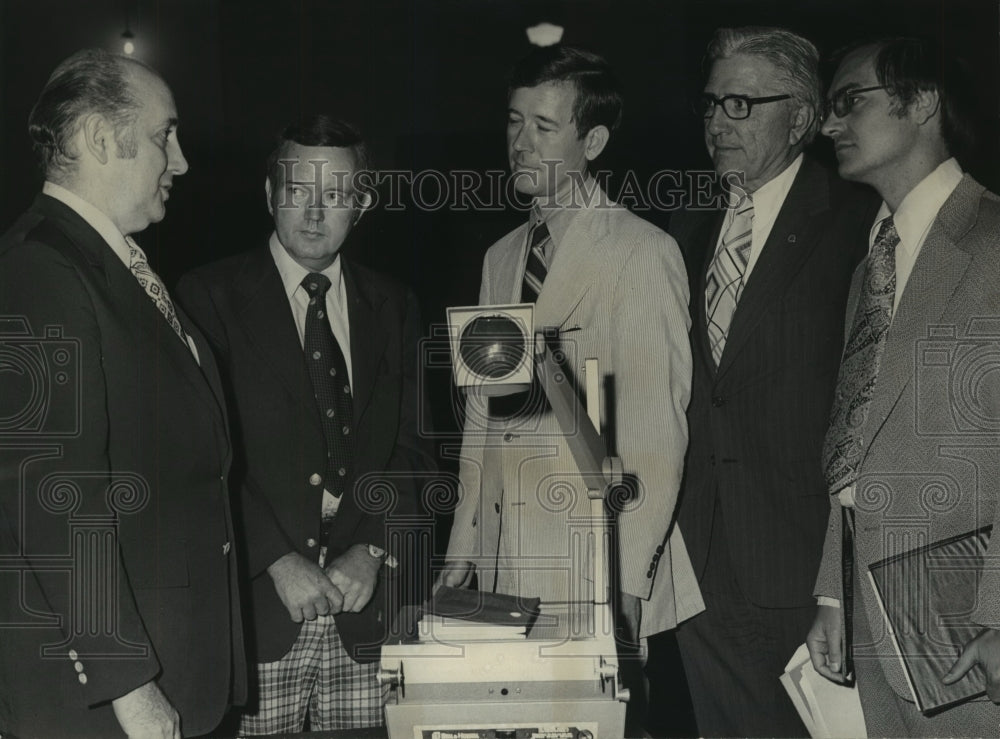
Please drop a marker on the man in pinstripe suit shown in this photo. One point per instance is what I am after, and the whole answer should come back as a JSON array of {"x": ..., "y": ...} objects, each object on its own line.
[
  {"x": 614, "y": 287},
  {"x": 754, "y": 504}
]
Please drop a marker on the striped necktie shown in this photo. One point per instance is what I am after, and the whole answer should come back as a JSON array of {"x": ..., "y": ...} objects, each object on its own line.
[
  {"x": 153, "y": 286},
  {"x": 536, "y": 266},
  {"x": 724, "y": 281}
]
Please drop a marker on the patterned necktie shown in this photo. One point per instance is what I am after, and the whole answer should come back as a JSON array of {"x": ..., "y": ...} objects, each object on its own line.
[
  {"x": 536, "y": 267},
  {"x": 860, "y": 364},
  {"x": 331, "y": 384},
  {"x": 153, "y": 286},
  {"x": 724, "y": 281}
]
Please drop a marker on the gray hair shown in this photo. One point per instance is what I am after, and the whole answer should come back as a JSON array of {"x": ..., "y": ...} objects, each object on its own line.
[
  {"x": 90, "y": 81},
  {"x": 795, "y": 57}
]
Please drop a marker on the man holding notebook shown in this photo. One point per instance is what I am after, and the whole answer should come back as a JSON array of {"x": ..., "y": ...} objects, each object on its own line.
[{"x": 911, "y": 455}]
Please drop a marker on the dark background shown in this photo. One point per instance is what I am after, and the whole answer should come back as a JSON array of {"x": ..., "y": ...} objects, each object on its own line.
[{"x": 426, "y": 82}]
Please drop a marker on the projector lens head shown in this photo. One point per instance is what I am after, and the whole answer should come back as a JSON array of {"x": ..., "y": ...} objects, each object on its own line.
[{"x": 492, "y": 346}]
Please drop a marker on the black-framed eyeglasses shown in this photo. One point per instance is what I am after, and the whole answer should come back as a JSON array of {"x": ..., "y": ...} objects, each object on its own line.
[
  {"x": 842, "y": 103},
  {"x": 736, "y": 107}
]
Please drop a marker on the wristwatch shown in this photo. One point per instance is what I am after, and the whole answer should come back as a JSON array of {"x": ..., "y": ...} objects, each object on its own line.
[{"x": 382, "y": 556}]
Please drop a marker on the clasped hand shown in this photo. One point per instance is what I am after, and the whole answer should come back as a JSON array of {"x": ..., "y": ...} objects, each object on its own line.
[{"x": 304, "y": 588}]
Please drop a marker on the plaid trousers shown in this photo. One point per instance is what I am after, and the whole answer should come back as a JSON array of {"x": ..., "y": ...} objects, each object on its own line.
[{"x": 318, "y": 678}]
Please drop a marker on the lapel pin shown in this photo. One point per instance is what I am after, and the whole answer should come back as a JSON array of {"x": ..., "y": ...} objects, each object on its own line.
[{"x": 791, "y": 238}]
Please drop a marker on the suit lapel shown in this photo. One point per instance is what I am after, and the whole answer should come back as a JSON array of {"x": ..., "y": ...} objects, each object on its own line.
[
  {"x": 128, "y": 296},
  {"x": 509, "y": 271},
  {"x": 792, "y": 239},
  {"x": 572, "y": 273},
  {"x": 268, "y": 321},
  {"x": 928, "y": 293},
  {"x": 368, "y": 341}
]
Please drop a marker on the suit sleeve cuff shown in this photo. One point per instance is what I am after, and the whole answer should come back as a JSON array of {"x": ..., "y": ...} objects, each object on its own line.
[{"x": 823, "y": 600}]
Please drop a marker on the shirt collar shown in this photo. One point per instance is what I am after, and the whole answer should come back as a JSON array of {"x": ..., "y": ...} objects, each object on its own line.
[
  {"x": 92, "y": 215},
  {"x": 558, "y": 216},
  {"x": 770, "y": 196},
  {"x": 292, "y": 273},
  {"x": 914, "y": 216}
]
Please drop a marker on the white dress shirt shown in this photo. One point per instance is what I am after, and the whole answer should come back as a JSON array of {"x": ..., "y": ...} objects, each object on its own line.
[
  {"x": 292, "y": 273},
  {"x": 914, "y": 217}
]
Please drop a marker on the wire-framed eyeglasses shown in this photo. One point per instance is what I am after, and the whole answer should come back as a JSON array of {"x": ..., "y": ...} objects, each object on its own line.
[{"x": 842, "y": 103}]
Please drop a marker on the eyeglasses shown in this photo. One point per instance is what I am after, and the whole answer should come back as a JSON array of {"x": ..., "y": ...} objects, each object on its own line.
[
  {"x": 843, "y": 102},
  {"x": 736, "y": 107}
]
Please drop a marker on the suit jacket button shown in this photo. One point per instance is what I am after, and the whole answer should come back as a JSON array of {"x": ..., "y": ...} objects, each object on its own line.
[
  {"x": 649, "y": 573},
  {"x": 225, "y": 548},
  {"x": 315, "y": 479},
  {"x": 508, "y": 437},
  {"x": 659, "y": 549},
  {"x": 496, "y": 507},
  {"x": 718, "y": 401},
  {"x": 82, "y": 677},
  {"x": 310, "y": 543}
]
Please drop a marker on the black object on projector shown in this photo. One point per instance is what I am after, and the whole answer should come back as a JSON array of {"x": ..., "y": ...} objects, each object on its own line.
[{"x": 492, "y": 346}]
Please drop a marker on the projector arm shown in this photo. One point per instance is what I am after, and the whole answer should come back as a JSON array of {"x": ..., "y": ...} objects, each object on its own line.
[{"x": 580, "y": 428}]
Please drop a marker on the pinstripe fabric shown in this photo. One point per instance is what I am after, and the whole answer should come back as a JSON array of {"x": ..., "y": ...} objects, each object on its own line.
[
  {"x": 617, "y": 290},
  {"x": 757, "y": 421},
  {"x": 733, "y": 653},
  {"x": 318, "y": 679},
  {"x": 755, "y": 503}
]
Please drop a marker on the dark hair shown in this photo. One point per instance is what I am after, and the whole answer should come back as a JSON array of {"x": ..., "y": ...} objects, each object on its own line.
[
  {"x": 907, "y": 66},
  {"x": 599, "y": 99},
  {"x": 90, "y": 81},
  {"x": 794, "y": 56},
  {"x": 319, "y": 130}
]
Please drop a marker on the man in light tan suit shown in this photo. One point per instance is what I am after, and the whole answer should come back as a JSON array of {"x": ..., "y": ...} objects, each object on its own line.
[
  {"x": 615, "y": 288},
  {"x": 912, "y": 448}
]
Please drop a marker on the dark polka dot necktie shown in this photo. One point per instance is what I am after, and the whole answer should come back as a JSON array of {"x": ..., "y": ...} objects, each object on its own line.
[{"x": 331, "y": 384}]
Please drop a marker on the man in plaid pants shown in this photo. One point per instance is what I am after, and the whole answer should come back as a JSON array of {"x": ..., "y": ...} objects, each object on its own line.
[{"x": 320, "y": 356}]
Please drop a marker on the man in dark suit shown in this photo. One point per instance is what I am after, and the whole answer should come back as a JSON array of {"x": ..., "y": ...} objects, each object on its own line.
[
  {"x": 320, "y": 433},
  {"x": 911, "y": 454},
  {"x": 769, "y": 273},
  {"x": 118, "y": 607}
]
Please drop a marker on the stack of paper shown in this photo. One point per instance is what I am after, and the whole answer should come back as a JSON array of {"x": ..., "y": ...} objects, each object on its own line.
[{"x": 827, "y": 709}]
